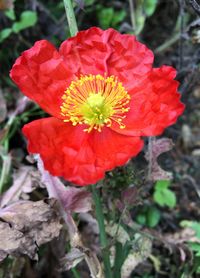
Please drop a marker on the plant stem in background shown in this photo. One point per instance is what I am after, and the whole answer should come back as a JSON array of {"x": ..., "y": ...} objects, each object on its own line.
[
  {"x": 103, "y": 237},
  {"x": 132, "y": 14},
  {"x": 71, "y": 17}
]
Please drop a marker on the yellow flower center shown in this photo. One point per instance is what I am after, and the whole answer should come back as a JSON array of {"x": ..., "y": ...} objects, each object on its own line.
[{"x": 96, "y": 101}]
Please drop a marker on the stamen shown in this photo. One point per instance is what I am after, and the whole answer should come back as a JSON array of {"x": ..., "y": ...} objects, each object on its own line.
[{"x": 96, "y": 101}]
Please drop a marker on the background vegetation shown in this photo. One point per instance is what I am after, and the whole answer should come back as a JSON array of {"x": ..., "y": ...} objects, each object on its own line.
[{"x": 157, "y": 223}]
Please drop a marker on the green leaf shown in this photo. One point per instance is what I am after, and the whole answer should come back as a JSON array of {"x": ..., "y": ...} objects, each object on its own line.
[
  {"x": 105, "y": 17},
  {"x": 150, "y": 6},
  {"x": 27, "y": 19},
  {"x": 164, "y": 196},
  {"x": 141, "y": 219},
  {"x": 193, "y": 225},
  {"x": 5, "y": 33},
  {"x": 118, "y": 17},
  {"x": 89, "y": 2},
  {"x": 153, "y": 217},
  {"x": 170, "y": 200},
  {"x": 10, "y": 14},
  {"x": 194, "y": 246},
  {"x": 162, "y": 184}
]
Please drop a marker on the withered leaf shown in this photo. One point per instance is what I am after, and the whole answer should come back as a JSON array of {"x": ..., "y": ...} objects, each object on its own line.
[
  {"x": 73, "y": 199},
  {"x": 129, "y": 196},
  {"x": 6, "y": 4},
  {"x": 144, "y": 244},
  {"x": 21, "y": 105},
  {"x": 71, "y": 259},
  {"x": 25, "y": 180},
  {"x": 26, "y": 225},
  {"x": 156, "y": 148}
]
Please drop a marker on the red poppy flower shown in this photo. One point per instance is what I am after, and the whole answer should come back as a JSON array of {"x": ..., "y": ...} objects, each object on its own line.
[{"x": 102, "y": 93}]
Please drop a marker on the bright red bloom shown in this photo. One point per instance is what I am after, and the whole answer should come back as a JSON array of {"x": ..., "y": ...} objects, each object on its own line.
[{"x": 103, "y": 94}]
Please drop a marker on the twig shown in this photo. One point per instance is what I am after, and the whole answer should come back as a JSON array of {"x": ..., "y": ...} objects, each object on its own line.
[
  {"x": 195, "y": 6},
  {"x": 167, "y": 44},
  {"x": 132, "y": 14},
  {"x": 150, "y": 143},
  {"x": 70, "y": 17},
  {"x": 181, "y": 34},
  {"x": 193, "y": 182}
]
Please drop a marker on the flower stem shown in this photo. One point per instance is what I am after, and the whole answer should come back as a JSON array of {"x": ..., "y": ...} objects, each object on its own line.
[
  {"x": 103, "y": 237},
  {"x": 70, "y": 17}
]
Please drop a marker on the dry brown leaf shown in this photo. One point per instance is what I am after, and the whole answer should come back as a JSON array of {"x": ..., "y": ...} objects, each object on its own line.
[
  {"x": 21, "y": 105},
  {"x": 25, "y": 180},
  {"x": 71, "y": 259},
  {"x": 73, "y": 199},
  {"x": 182, "y": 236},
  {"x": 187, "y": 136},
  {"x": 129, "y": 196},
  {"x": 26, "y": 225},
  {"x": 156, "y": 148},
  {"x": 135, "y": 257},
  {"x": 6, "y": 4}
]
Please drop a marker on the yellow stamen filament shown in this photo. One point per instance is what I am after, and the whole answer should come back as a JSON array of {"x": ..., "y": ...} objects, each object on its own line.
[{"x": 96, "y": 101}]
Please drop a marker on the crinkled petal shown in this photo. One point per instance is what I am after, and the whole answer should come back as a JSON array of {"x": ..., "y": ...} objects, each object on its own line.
[
  {"x": 155, "y": 104},
  {"x": 97, "y": 51},
  {"x": 78, "y": 156},
  {"x": 41, "y": 74}
]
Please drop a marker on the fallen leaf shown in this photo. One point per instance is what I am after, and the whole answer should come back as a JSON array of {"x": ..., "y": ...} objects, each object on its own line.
[
  {"x": 186, "y": 135},
  {"x": 25, "y": 180},
  {"x": 21, "y": 105},
  {"x": 196, "y": 152},
  {"x": 136, "y": 255},
  {"x": 71, "y": 259},
  {"x": 26, "y": 225},
  {"x": 73, "y": 199},
  {"x": 129, "y": 196},
  {"x": 156, "y": 148},
  {"x": 91, "y": 222},
  {"x": 118, "y": 232},
  {"x": 6, "y": 4}
]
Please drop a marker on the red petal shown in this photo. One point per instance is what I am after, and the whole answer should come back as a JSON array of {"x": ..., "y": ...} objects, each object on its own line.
[
  {"x": 41, "y": 75},
  {"x": 78, "y": 156},
  {"x": 96, "y": 51},
  {"x": 155, "y": 104}
]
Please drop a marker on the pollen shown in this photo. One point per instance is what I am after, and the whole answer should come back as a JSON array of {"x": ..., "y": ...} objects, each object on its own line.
[{"x": 96, "y": 101}]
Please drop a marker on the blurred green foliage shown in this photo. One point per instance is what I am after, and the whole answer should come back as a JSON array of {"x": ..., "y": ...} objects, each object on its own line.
[
  {"x": 27, "y": 19},
  {"x": 194, "y": 243},
  {"x": 164, "y": 196},
  {"x": 141, "y": 11},
  {"x": 148, "y": 216},
  {"x": 108, "y": 17}
]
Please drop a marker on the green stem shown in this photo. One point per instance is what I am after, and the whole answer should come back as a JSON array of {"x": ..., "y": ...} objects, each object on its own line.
[
  {"x": 70, "y": 17},
  {"x": 75, "y": 273},
  {"x": 103, "y": 237}
]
